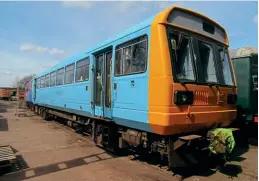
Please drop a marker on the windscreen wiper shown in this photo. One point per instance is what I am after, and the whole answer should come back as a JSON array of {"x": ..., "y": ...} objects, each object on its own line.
[
  {"x": 186, "y": 81},
  {"x": 217, "y": 85}
]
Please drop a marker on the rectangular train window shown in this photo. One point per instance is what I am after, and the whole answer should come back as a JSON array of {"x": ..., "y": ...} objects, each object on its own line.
[
  {"x": 131, "y": 57},
  {"x": 82, "y": 70},
  {"x": 42, "y": 82},
  {"x": 47, "y": 80},
  {"x": 182, "y": 56},
  {"x": 60, "y": 77},
  {"x": 69, "y": 74},
  {"x": 38, "y": 83},
  {"x": 52, "y": 79},
  {"x": 207, "y": 59}
]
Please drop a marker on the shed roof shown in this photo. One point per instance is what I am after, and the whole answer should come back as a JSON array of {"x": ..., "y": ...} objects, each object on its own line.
[{"x": 243, "y": 52}]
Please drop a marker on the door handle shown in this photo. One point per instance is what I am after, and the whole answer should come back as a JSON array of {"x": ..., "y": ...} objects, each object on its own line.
[{"x": 132, "y": 83}]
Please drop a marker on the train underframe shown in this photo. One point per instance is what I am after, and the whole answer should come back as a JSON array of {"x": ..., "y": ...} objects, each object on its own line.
[{"x": 175, "y": 151}]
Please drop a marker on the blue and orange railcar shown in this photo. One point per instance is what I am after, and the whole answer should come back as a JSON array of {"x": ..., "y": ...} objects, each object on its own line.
[{"x": 167, "y": 78}]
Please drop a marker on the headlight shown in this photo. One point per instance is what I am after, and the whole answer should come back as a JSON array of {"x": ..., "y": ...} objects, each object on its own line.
[{"x": 183, "y": 97}]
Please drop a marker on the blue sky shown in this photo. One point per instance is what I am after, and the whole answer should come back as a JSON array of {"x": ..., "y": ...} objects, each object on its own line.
[{"x": 37, "y": 35}]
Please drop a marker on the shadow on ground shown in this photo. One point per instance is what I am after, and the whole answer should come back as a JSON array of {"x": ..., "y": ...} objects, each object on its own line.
[
  {"x": 19, "y": 165},
  {"x": 6, "y": 105},
  {"x": 25, "y": 172},
  {"x": 205, "y": 168},
  {"x": 3, "y": 124}
]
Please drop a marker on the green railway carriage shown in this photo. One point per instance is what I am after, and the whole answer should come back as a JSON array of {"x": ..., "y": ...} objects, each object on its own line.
[{"x": 245, "y": 62}]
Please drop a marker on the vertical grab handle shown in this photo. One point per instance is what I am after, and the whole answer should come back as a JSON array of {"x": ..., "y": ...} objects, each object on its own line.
[{"x": 91, "y": 86}]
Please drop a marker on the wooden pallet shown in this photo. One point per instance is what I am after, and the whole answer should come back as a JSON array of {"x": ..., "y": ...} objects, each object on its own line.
[{"x": 7, "y": 156}]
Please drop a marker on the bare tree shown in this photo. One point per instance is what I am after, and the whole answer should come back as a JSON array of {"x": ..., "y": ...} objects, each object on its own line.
[{"x": 20, "y": 83}]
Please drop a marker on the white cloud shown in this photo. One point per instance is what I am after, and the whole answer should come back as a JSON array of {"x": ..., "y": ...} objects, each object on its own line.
[
  {"x": 126, "y": 6},
  {"x": 167, "y": 4},
  {"x": 15, "y": 65},
  {"x": 40, "y": 49},
  {"x": 255, "y": 19},
  {"x": 5, "y": 72},
  {"x": 77, "y": 4}
]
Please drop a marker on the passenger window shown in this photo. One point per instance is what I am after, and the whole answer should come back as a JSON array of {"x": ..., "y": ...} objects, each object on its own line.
[
  {"x": 60, "y": 77},
  {"x": 139, "y": 57},
  {"x": 118, "y": 64},
  {"x": 42, "y": 82},
  {"x": 52, "y": 79},
  {"x": 47, "y": 80},
  {"x": 82, "y": 70},
  {"x": 69, "y": 75},
  {"x": 38, "y": 83},
  {"x": 127, "y": 59},
  {"x": 131, "y": 57}
]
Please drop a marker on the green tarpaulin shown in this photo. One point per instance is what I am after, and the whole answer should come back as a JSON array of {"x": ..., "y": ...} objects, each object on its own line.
[{"x": 221, "y": 141}]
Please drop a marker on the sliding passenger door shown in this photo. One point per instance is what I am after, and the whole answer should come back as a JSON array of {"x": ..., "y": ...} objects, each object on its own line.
[{"x": 102, "y": 84}]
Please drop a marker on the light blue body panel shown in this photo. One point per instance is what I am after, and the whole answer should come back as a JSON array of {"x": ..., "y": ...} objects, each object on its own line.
[{"x": 129, "y": 103}]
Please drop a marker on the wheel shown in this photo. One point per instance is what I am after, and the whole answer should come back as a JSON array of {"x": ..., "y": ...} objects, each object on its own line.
[
  {"x": 41, "y": 112},
  {"x": 37, "y": 110},
  {"x": 45, "y": 115}
]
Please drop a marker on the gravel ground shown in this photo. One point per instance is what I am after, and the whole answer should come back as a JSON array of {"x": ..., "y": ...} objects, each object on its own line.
[{"x": 49, "y": 151}]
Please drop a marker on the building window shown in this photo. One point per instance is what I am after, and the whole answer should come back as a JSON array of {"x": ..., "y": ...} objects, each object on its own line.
[
  {"x": 52, "y": 79},
  {"x": 42, "y": 82},
  {"x": 82, "y": 70},
  {"x": 60, "y": 77},
  {"x": 47, "y": 80},
  {"x": 131, "y": 57},
  {"x": 69, "y": 75}
]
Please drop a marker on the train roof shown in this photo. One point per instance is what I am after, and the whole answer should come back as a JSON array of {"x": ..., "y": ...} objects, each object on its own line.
[
  {"x": 158, "y": 18},
  {"x": 83, "y": 54},
  {"x": 243, "y": 52}
]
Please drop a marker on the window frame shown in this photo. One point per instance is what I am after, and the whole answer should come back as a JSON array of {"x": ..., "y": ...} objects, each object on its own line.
[
  {"x": 215, "y": 45},
  {"x": 48, "y": 80},
  {"x": 83, "y": 59},
  {"x": 65, "y": 72},
  {"x": 169, "y": 31},
  {"x": 38, "y": 83},
  {"x": 62, "y": 76},
  {"x": 55, "y": 73},
  {"x": 222, "y": 78},
  {"x": 215, "y": 61},
  {"x": 199, "y": 77},
  {"x": 42, "y": 78},
  {"x": 128, "y": 44}
]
